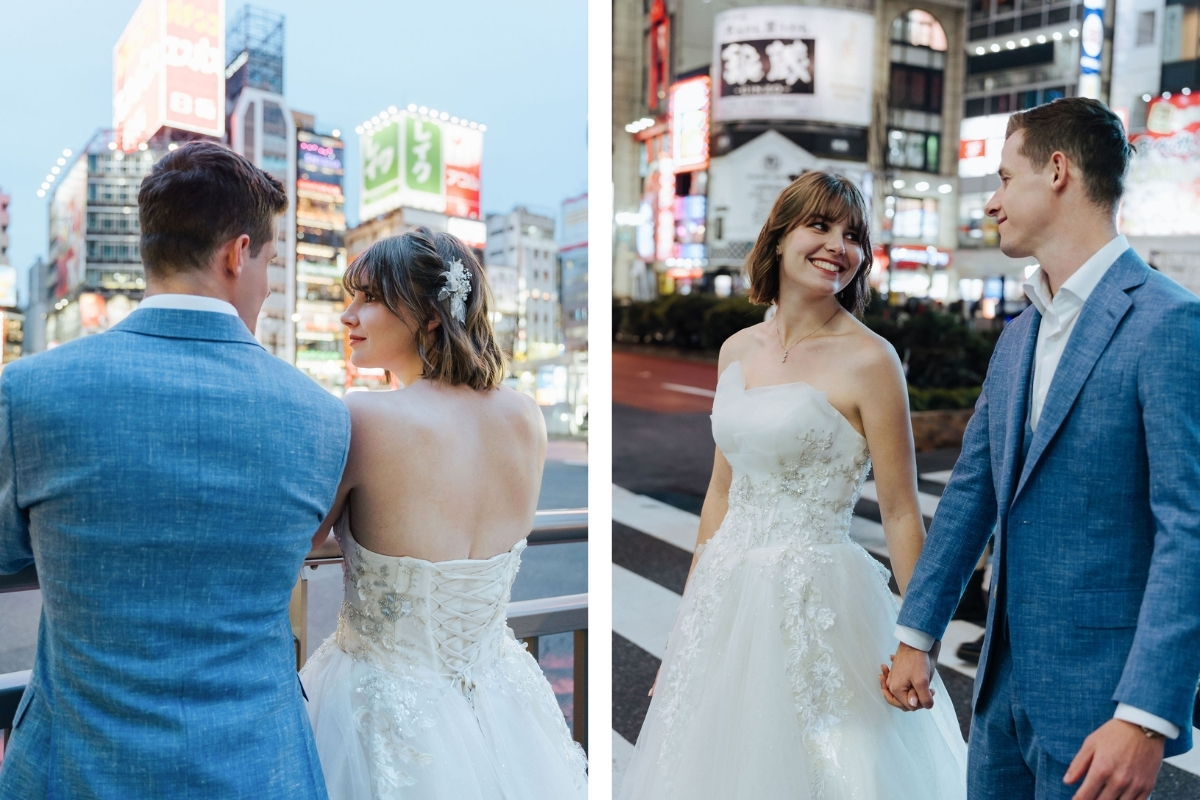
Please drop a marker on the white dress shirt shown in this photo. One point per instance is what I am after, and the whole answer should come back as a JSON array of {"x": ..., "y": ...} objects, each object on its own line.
[
  {"x": 1059, "y": 312},
  {"x": 188, "y": 302}
]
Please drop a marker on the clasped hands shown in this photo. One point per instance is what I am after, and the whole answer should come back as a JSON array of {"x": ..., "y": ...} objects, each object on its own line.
[{"x": 1118, "y": 759}]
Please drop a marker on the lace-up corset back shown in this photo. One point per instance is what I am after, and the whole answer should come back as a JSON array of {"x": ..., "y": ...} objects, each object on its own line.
[
  {"x": 798, "y": 464},
  {"x": 447, "y": 616}
]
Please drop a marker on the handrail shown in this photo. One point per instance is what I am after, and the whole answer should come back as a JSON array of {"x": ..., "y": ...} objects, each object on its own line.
[
  {"x": 558, "y": 526},
  {"x": 529, "y": 619}
]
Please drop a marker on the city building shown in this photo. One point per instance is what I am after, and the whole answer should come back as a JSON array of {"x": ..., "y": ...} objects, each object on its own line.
[
  {"x": 36, "y": 306},
  {"x": 320, "y": 255},
  {"x": 721, "y": 106},
  {"x": 524, "y": 241},
  {"x": 573, "y": 273},
  {"x": 1156, "y": 88},
  {"x": 12, "y": 321},
  {"x": 95, "y": 276},
  {"x": 262, "y": 128}
]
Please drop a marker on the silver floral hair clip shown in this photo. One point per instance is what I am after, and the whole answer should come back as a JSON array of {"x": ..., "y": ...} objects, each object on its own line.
[{"x": 457, "y": 288}]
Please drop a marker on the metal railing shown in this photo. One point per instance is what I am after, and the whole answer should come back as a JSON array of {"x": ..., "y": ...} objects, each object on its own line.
[{"x": 529, "y": 619}]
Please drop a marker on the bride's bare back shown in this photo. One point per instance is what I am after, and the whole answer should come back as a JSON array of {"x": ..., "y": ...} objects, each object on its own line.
[{"x": 443, "y": 472}]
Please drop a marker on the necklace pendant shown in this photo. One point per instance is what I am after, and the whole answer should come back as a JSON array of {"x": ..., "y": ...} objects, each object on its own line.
[{"x": 784, "y": 357}]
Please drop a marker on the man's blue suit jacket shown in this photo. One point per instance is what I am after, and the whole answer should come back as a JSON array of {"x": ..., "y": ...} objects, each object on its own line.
[
  {"x": 166, "y": 477},
  {"x": 1097, "y": 561}
]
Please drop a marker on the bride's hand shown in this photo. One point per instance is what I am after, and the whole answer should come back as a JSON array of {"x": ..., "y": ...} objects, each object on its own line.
[
  {"x": 908, "y": 689},
  {"x": 654, "y": 685}
]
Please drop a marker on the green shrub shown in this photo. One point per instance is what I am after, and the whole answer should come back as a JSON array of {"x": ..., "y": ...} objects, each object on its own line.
[
  {"x": 945, "y": 359},
  {"x": 942, "y": 399}
]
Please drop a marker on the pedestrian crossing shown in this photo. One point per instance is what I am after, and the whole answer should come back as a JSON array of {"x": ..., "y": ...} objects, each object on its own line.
[{"x": 646, "y": 588}]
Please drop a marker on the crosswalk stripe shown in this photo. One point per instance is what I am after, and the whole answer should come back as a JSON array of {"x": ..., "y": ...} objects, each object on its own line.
[
  {"x": 685, "y": 389},
  {"x": 643, "y": 611},
  {"x": 942, "y": 476},
  {"x": 666, "y": 522},
  {"x": 927, "y": 502}
]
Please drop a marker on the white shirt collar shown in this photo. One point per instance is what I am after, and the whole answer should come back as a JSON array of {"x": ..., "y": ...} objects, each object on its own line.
[
  {"x": 1082, "y": 282},
  {"x": 188, "y": 302}
]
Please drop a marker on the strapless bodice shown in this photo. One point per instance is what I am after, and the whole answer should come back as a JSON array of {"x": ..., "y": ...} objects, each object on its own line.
[
  {"x": 444, "y": 617},
  {"x": 798, "y": 464}
]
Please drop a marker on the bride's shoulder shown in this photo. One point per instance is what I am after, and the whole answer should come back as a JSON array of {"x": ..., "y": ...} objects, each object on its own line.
[
  {"x": 518, "y": 407},
  {"x": 866, "y": 354},
  {"x": 740, "y": 345}
]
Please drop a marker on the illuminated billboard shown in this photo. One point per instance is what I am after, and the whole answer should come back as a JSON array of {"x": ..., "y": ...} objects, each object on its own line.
[
  {"x": 68, "y": 215},
  {"x": 1162, "y": 190},
  {"x": 979, "y": 144},
  {"x": 169, "y": 71},
  {"x": 689, "y": 124},
  {"x": 793, "y": 62},
  {"x": 413, "y": 160}
]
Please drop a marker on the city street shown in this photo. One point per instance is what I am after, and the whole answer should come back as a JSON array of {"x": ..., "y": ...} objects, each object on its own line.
[{"x": 662, "y": 459}]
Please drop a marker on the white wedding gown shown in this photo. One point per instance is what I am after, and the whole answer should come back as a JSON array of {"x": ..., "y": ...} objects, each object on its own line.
[
  {"x": 422, "y": 693},
  {"x": 769, "y": 687}
]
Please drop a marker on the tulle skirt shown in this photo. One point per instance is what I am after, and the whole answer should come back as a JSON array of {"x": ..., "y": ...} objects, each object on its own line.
[
  {"x": 401, "y": 732},
  {"x": 770, "y": 689}
]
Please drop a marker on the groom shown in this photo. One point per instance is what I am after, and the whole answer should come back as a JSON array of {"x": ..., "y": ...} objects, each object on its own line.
[
  {"x": 166, "y": 477},
  {"x": 1084, "y": 455}
]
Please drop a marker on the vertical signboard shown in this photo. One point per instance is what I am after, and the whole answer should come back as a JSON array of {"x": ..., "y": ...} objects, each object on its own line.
[
  {"x": 464, "y": 163},
  {"x": 380, "y": 170},
  {"x": 68, "y": 215},
  {"x": 168, "y": 70},
  {"x": 689, "y": 124},
  {"x": 1091, "y": 45},
  {"x": 424, "y": 169},
  {"x": 415, "y": 161}
]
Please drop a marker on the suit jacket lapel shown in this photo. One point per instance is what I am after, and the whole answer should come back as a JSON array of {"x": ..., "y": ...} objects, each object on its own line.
[
  {"x": 1098, "y": 321},
  {"x": 1018, "y": 408}
]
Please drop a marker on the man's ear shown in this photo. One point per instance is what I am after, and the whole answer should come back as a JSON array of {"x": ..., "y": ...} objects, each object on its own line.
[
  {"x": 1060, "y": 170},
  {"x": 235, "y": 253}
]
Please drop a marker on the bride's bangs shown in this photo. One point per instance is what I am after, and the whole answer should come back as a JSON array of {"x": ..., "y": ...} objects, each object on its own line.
[{"x": 833, "y": 201}]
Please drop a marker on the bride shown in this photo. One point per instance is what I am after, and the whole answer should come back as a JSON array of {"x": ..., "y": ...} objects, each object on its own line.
[
  {"x": 770, "y": 685},
  {"x": 422, "y": 692}
]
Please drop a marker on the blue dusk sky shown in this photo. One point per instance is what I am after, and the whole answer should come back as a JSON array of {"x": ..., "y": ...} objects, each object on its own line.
[{"x": 518, "y": 66}]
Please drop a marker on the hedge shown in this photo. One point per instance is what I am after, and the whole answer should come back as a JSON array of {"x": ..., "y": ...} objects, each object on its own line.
[{"x": 946, "y": 360}]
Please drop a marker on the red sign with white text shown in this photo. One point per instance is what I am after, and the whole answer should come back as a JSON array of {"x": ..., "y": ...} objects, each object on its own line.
[{"x": 168, "y": 71}]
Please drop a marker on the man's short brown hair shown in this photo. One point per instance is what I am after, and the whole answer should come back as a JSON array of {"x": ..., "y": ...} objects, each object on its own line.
[
  {"x": 1087, "y": 133},
  {"x": 199, "y": 197}
]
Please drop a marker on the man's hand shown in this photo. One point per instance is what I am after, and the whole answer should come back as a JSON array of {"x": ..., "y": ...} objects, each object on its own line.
[
  {"x": 906, "y": 684},
  {"x": 1119, "y": 761}
]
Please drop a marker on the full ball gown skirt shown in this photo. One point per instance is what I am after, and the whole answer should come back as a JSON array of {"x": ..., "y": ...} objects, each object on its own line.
[
  {"x": 422, "y": 693},
  {"x": 769, "y": 687}
]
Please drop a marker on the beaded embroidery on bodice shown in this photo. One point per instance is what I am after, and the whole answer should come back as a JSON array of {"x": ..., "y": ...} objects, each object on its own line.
[
  {"x": 798, "y": 465},
  {"x": 403, "y": 612}
]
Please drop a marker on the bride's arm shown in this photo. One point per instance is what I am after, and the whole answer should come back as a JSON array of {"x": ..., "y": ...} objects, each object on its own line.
[
  {"x": 716, "y": 504},
  {"x": 348, "y": 472},
  {"x": 883, "y": 405}
]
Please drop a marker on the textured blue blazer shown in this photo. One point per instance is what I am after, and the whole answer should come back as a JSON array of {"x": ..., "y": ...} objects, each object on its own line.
[
  {"x": 1098, "y": 535},
  {"x": 166, "y": 477}
]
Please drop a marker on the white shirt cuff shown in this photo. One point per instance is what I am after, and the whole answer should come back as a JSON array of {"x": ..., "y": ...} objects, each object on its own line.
[
  {"x": 1146, "y": 720},
  {"x": 918, "y": 640}
]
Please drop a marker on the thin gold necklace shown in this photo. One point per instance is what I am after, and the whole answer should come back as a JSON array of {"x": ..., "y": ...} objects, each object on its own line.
[{"x": 787, "y": 349}]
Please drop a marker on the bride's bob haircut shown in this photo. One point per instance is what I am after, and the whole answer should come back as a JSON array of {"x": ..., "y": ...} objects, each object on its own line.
[
  {"x": 814, "y": 196},
  {"x": 405, "y": 274}
]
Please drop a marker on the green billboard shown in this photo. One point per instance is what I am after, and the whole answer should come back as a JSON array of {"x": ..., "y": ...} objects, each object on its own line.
[{"x": 423, "y": 170}]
